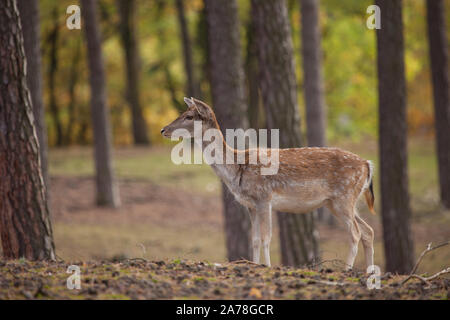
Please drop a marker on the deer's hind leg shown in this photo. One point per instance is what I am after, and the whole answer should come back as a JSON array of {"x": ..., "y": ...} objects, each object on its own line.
[
  {"x": 367, "y": 236},
  {"x": 346, "y": 213}
]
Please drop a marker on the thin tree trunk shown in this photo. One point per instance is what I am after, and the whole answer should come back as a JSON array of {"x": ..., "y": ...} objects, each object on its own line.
[
  {"x": 313, "y": 83},
  {"x": 201, "y": 42},
  {"x": 107, "y": 189},
  {"x": 29, "y": 14},
  {"x": 398, "y": 244},
  {"x": 438, "y": 47},
  {"x": 25, "y": 226},
  {"x": 298, "y": 237},
  {"x": 193, "y": 89},
  {"x": 227, "y": 86},
  {"x": 53, "y": 39},
  {"x": 255, "y": 114},
  {"x": 128, "y": 30},
  {"x": 312, "y": 74},
  {"x": 73, "y": 81}
]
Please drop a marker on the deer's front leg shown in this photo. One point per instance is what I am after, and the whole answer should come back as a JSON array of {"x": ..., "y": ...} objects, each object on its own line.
[
  {"x": 256, "y": 237},
  {"x": 266, "y": 231}
]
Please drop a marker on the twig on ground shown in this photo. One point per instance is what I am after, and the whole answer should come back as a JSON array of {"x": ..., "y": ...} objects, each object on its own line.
[
  {"x": 427, "y": 279},
  {"x": 138, "y": 259},
  {"x": 335, "y": 262},
  {"x": 244, "y": 261},
  {"x": 436, "y": 275},
  {"x": 428, "y": 249}
]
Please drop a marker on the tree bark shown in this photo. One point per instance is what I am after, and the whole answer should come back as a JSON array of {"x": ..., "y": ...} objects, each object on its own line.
[
  {"x": 438, "y": 49},
  {"x": 128, "y": 30},
  {"x": 313, "y": 83},
  {"x": 255, "y": 114},
  {"x": 298, "y": 237},
  {"x": 25, "y": 226},
  {"x": 201, "y": 43},
  {"x": 312, "y": 74},
  {"x": 72, "y": 84},
  {"x": 107, "y": 189},
  {"x": 227, "y": 86},
  {"x": 398, "y": 244},
  {"x": 193, "y": 89},
  {"x": 29, "y": 15}
]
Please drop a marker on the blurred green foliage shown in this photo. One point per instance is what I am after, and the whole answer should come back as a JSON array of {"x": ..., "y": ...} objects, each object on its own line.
[{"x": 349, "y": 63}]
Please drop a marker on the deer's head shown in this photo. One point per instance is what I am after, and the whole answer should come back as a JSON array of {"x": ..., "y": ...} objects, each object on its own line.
[{"x": 196, "y": 111}]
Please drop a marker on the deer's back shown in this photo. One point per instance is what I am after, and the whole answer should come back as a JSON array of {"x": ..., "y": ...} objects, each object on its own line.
[{"x": 308, "y": 177}]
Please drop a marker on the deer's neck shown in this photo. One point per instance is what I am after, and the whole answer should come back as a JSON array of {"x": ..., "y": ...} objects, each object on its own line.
[{"x": 229, "y": 173}]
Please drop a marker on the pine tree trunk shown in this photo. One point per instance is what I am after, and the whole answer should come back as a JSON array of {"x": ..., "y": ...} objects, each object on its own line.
[
  {"x": 313, "y": 83},
  {"x": 227, "y": 86},
  {"x": 29, "y": 15},
  {"x": 312, "y": 74},
  {"x": 398, "y": 244},
  {"x": 74, "y": 112},
  {"x": 128, "y": 30},
  {"x": 25, "y": 226},
  {"x": 201, "y": 43},
  {"x": 53, "y": 39},
  {"x": 193, "y": 89},
  {"x": 255, "y": 114},
  {"x": 438, "y": 47},
  {"x": 107, "y": 189},
  {"x": 298, "y": 237}
]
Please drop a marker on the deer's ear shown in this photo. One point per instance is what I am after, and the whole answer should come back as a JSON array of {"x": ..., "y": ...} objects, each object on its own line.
[
  {"x": 198, "y": 106},
  {"x": 189, "y": 102}
]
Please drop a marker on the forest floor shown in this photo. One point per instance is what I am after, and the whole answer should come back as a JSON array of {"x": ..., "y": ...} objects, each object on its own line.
[
  {"x": 167, "y": 241},
  {"x": 179, "y": 279}
]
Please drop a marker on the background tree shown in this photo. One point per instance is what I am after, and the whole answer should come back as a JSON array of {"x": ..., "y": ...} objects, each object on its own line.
[
  {"x": 193, "y": 89},
  {"x": 316, "y": 120},
  {"x": 298, "y": 237},
  {"x": 52, "y": 42},
  {"x": 25, "y": 226},
  {"x": 227, "y": 87},
  {"x": 128, "y": 35},
  {"x": 107, "y": 189},
  {"x": 312, "y": 74},
  {"x": 255, "y": 112},
  {"x": 73, "y": 108},
  {"x": 437, "y": 43},
  {"x": 29, "y": 15},
  {"x": 395, "y": 207}
]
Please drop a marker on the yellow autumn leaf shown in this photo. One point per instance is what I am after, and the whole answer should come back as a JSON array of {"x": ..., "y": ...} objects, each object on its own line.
[{"x": 255, "y": 293}]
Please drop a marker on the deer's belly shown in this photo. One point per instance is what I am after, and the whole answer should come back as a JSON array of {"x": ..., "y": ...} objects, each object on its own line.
[{"x": 295, "y": 204}]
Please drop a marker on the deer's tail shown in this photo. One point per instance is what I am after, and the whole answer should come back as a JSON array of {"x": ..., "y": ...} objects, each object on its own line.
[{"x": 368, "y": 192}]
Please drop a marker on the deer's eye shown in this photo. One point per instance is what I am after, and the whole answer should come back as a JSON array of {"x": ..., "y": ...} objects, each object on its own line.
[{"x": 189, "y": 117}]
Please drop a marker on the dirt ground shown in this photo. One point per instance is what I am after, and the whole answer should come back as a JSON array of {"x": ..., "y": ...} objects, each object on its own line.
[
  {"x": 178, "y": 279},
  {"x": 160, "y": 222}
]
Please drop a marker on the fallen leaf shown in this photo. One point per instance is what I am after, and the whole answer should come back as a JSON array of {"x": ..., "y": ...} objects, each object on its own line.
[{"x": 255, "y": 293}]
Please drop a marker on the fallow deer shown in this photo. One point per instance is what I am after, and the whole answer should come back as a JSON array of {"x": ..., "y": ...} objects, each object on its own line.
[{"x": 307, "y": 179}]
